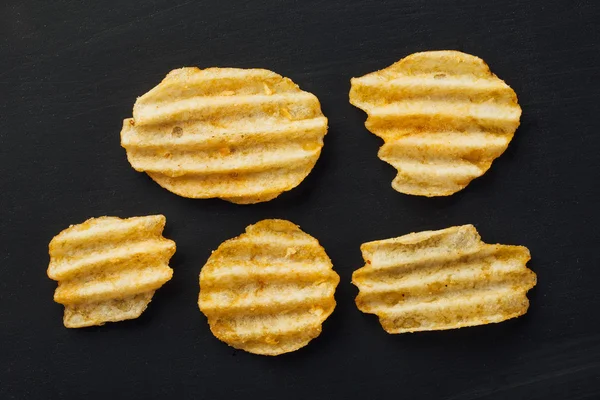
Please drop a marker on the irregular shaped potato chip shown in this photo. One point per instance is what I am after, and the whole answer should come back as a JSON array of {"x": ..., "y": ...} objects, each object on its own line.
[
  {"x": 108, "y": 268},
  {"x": 243, "y": 135},
  {"x": 444, "y": 117},
  {"x": 268, "y": 290},
  {"x": 442, "y": 279}
]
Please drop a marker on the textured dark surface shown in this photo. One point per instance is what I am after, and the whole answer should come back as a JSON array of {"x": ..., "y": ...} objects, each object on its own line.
[{"x": 69, "y": 74}]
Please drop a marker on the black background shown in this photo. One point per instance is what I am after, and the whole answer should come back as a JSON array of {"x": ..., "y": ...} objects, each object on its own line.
[{"x": 70, "y": 72}]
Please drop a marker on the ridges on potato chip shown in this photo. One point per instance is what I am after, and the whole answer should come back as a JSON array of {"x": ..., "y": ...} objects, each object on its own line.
[
  {"x": 443, "y": 115},
  {"x": 442, "y": 279},
  {"x": 108, "y": 268},
  {"x": 243, "y": 135},
  {"x": 269, "y": 290}
]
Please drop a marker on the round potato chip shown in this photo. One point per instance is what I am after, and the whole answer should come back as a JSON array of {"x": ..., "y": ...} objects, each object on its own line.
[
  {"x": 269, "y": 290},
  {"x": 444, "y": 117},
  {"x": 243, "y": 135}
]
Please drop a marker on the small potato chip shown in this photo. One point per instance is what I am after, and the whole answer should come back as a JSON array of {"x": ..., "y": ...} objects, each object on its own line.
[
  {"x": 243, "y": 135},
  {"x": 444, "y": 279},
  {"x": 269, "y": 290},
  {"x": 108, "y": 268},
  {"x": 444, "y": 117}
]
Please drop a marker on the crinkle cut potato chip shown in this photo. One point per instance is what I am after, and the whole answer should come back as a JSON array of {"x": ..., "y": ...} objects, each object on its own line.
[
  {"x": 108, "y": 268},
  {"x": 443, "y": 115},
  {"x": 444, "y": 279},
  {"x": 243, "y": 135},
  {"x": 269, "y": 290}
]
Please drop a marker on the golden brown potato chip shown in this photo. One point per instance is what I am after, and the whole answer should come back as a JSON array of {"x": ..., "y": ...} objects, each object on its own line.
[
  {"x": 108, "y": 268},
  {"x": 442, "y": 279},
  {"x": 444, "y": 117},
  {"x": 243, "y": 135},
  {"x": 268, "y": 290}
]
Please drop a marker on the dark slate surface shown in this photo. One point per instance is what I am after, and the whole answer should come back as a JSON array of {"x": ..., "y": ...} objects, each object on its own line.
[{"x": 69, "y": 74}]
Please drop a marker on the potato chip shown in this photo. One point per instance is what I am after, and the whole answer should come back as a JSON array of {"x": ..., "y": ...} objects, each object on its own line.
[
  {"x": 444, "y": 117},
  {"x": 269, "y": 290},
  {"x": 108, "y": 268},
  {"x": 444, "y": 279},
  {"x": 243, "y": 135}
]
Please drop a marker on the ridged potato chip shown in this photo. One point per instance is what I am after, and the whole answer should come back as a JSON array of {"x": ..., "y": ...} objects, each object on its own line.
[
  {"x": 108, "y": 268},
  {"x": 444, "y": 279},
  {"x": 443, "y": 115},
  {"x": 269, "y": 290},
  {"x": 243, "y": 135}
]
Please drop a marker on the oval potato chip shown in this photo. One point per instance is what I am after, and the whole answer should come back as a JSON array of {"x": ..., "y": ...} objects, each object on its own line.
[{"x": 243, "y": 135}]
